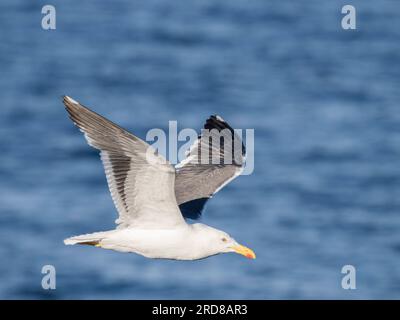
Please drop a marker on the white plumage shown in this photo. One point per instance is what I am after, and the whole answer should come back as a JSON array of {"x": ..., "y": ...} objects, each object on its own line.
[{"x": 142, "y": 186}]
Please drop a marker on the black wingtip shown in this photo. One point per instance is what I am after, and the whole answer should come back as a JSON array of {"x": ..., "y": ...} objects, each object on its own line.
[
  {"x": 217, "y": 122},
  {"x": 63, "y": 99}
]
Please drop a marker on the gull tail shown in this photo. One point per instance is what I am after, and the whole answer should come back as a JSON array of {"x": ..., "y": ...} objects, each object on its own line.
[{"x": 92, "y": 239}]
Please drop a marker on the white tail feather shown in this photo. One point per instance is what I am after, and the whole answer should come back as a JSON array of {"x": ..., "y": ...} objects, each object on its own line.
[{"x": 86, "y": 238}]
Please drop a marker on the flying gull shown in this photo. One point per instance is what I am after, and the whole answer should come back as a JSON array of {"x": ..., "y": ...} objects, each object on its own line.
[{"x": 154, "y": 199}]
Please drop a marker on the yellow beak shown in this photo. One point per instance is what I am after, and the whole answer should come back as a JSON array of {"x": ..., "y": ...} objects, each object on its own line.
[{"x": 248, "y": 253}]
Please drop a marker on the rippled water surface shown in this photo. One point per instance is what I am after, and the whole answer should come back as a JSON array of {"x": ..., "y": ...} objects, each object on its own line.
[{"x": 324, "y": 104}]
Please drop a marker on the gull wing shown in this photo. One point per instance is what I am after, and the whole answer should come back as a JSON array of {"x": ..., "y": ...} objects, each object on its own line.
[
  {"x": 140, "y": 181},
  {"x": 205, "y": 170}
]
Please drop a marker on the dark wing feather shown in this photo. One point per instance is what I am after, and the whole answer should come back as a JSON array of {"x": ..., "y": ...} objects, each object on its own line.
[{"x": 216, "y": 158}]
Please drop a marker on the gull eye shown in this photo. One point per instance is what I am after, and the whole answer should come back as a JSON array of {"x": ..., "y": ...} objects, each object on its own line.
[{"x": 224, "y": 240}]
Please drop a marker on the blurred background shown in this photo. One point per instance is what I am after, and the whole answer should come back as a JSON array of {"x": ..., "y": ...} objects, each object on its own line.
[{"x": 324, "y": 103}]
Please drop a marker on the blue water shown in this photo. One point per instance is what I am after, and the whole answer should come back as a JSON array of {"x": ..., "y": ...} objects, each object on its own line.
[{"x": 324, "y": 104}]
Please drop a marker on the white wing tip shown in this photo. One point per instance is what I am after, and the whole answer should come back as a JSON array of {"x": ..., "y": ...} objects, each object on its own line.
[
  {"x": 69, "y": 99},
  {"x": 220, "y": 118}
]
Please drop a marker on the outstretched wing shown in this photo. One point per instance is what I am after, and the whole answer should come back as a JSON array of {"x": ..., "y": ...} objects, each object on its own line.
[
  {"x": 215, "y": 159},
  {"x": 140, "y": 181}
]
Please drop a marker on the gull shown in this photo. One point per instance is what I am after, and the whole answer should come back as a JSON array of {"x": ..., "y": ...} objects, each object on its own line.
[{"x": 155, "y": 199}]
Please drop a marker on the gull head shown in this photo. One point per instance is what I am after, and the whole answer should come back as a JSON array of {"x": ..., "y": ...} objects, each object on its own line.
[{"x": 216, "y": 241}]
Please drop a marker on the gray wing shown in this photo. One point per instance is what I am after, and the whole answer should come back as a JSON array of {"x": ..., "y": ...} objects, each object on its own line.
[
  {"x": 215, "y": 159},
  {"x": 140, "y": 181}
]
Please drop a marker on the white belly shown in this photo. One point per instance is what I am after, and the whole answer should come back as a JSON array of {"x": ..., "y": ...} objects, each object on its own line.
[{"x": 155, "y": 243}]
